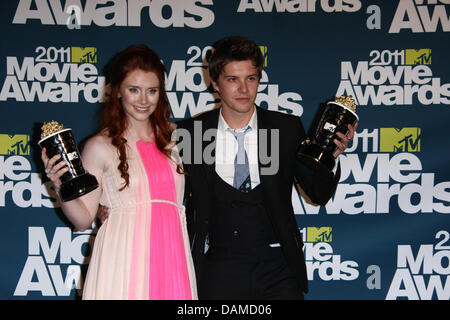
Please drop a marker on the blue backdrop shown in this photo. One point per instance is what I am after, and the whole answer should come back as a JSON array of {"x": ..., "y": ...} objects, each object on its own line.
[{"x": 385, "y": 234}]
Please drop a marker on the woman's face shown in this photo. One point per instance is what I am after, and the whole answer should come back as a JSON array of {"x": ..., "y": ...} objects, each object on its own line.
[{"x": 139, "y": 94}]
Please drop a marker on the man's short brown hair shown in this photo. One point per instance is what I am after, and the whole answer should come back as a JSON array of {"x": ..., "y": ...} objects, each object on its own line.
[{"x": 235, "y": 48}]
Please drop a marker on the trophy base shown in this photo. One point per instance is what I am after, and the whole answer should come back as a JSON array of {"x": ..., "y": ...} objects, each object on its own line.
[
  {"x": 319, "y": 155},
  {"x": 77, "y": 187}
]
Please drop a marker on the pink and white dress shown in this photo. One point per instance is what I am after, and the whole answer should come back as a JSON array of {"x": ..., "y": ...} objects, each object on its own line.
[{"x": 142, "y": 250}]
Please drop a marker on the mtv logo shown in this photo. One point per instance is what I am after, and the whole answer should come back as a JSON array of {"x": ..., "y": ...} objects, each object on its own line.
[
  {"x": 322, "y": 234},
  {"x": 417, "y": 56},
  {"x": 84, "y": 54},
  {"x": 400, "y": 140},
  {"x": 329, "y": 126},
  {"x": 264, "y": 53},
  {"x": 16, "y": 144}
]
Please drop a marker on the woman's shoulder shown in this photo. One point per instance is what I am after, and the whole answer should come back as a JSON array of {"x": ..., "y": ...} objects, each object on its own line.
[
  {"x": 97, "y": 153},
  {"x": 98, "y": 142}
]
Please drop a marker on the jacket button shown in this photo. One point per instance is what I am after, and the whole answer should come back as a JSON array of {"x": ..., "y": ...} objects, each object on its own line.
[
  {"x": 206, "y": 221},
  {"x": 233, "y": 204},
  {"x": 235, "y": 233}
]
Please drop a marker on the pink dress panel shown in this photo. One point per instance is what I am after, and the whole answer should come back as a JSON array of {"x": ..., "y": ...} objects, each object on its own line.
[{"x": 168, "y": 272}]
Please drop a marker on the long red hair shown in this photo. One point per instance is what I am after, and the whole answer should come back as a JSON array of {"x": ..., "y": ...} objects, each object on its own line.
[{"x": 114, "y": 121}]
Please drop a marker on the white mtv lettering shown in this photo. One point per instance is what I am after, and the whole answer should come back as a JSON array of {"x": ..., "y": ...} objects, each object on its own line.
[
  {"x": 397, "y": 95},
  {"x": 321, "y": 251},
  {"x": 431, "y": 262},
  {"x": 117, "y": 12},
  {"x": 334, "y": 269},
  {"x": 15, "y": 87},
  {"x": 185, "y": 78},
  {"x": 62, "y": 242},
  {"x": 407, "y": 16},
  {"x": 74, "y": 20},
  {"x": 17, "y": 169},
  {"x": 43, "y": 255},
  {"x": 409, "y": 281},
  {"x": 366, "y": 138},
  {"x": 11, "y": 164},
  {"x": 194, "y": 79},
  {"x": 434, "y": 285},
  {"x": 402, "y": 285},
  {"x": 20, "y": 190},
  {"x": 420, "y": 74},
  {"x": 403, "y": 168},
  {"x": 52, "y": 91},
  {"x": 399, "y": 163},
  {"x": 319, "y": 256},
  {"x": 43, "y": 71},
  {"x": 353, "y": 199},
  {"x": 268, "y": 5},
  {"x": 399, "y": 167},
  {"x": 13, "y": 68},
  {"x": 341, "y": 5},
  {"x": 417, "y": 82},
  {"x": 350, "y": 164},
  {"x": 73, "y": 279},
  {"x": 405, "y": 258},
  {"x": 365, "y": 198},
  {"x": 426, "y": 191},
  {"x": 35, "y": 268},
  {"x": 197, "y": 80},
  {"x": 21, "y": 91},
  {"x": 178, "y": 19},
  {"x": 205, "y": 102},
  {"x": 293, "y": 6},
  {"x": 274, "y": 100}
]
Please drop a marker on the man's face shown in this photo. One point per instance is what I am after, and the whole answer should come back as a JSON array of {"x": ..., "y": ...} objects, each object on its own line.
[{"x": 238, "y": 86}]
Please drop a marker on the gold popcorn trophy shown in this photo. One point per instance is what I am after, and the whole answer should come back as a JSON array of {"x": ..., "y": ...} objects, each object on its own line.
[
  {"x": 338, "y": 114},
  {"x": 59, "y": 140}
]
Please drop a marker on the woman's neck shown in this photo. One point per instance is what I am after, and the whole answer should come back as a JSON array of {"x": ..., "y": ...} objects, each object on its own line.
[{"x": 141, "y": 132}]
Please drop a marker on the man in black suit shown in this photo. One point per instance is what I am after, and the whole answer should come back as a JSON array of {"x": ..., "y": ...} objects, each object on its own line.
[{"x": 244, "y": 237}]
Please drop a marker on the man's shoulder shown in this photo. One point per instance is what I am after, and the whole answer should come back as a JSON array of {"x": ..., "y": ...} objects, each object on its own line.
[{"x": 278, "y": 117}]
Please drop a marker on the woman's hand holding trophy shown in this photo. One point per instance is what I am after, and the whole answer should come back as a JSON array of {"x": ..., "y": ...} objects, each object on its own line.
[{"x": 62, "y": 162}]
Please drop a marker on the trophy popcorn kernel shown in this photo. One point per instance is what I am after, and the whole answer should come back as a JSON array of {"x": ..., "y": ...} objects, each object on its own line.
[{"x": 50, "y": 127}]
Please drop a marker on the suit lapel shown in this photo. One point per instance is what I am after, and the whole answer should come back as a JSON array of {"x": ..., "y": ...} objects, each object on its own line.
[
  {"x": 264, "y": 142},
  {"x": 209, "y": 135},
  {"x": 267, "y": 182}
]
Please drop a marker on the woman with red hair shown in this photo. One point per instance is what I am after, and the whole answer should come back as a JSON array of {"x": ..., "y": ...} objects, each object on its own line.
[{"x": 142, "y": 249}]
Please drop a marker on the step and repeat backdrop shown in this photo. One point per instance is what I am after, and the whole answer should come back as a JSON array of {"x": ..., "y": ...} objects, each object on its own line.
[{"x": 385, "y": 234}]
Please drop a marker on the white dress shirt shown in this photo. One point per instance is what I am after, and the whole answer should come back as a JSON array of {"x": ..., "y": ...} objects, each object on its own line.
[{"x": 227, "y": 148}]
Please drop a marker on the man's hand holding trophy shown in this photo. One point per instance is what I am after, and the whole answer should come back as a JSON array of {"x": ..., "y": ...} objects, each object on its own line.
[{"x": 334, "y": 124}]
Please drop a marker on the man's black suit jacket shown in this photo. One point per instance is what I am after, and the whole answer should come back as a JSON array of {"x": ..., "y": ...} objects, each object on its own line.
[{"x": 315, "y": 180}]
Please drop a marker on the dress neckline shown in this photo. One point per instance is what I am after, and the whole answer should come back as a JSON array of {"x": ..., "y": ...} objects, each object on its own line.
[{"x": 140, "y": 141}]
